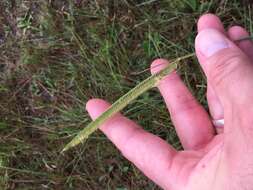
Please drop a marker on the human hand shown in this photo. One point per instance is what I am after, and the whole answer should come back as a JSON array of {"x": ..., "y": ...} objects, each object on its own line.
[{"x": 209, "y": 161}]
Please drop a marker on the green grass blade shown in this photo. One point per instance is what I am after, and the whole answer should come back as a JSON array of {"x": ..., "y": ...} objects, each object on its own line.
[{"x": 122, "y": 102}]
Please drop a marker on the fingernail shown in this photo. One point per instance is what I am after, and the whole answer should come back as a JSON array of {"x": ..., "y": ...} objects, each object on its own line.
[
  {"x": 158, "y": 65},
  {"x": 211, "y": 41}
]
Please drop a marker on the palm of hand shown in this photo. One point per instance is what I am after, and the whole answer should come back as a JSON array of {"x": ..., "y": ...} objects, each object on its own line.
[{"x": 199, "y": 169}]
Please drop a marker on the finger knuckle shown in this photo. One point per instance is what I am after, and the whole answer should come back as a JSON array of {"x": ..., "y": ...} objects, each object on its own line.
[
  {"x": 186, "y": 104},
  {"x": 222, "y": 68}
]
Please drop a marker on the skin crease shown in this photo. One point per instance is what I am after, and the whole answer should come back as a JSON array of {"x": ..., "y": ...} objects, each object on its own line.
[{"x": 209, "y": 161}]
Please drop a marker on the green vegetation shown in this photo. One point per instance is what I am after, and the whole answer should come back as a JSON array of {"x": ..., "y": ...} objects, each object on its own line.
[{"x": 55, "y": 55}]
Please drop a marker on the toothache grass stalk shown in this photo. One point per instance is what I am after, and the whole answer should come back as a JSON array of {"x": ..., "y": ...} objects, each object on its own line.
[{"x": 123, "y": 101}]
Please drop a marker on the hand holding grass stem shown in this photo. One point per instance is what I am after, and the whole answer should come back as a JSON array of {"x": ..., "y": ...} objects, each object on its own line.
[{"x": 126, "y": 99}]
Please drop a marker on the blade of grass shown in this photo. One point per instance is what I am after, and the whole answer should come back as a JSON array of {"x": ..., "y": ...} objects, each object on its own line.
[{"x": 122, "y": 102}]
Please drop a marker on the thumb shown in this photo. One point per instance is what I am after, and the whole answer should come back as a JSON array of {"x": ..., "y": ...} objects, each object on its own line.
[{"x": 228, "y": 69}]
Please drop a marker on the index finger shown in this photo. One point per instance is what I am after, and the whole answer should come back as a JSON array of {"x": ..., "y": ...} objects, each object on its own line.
[{"x": 148, "y": 152}]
